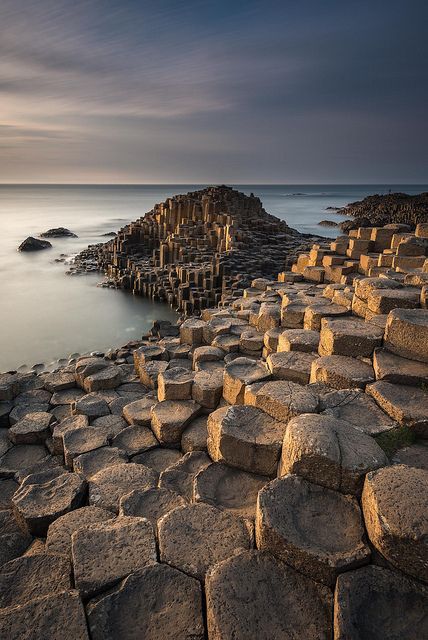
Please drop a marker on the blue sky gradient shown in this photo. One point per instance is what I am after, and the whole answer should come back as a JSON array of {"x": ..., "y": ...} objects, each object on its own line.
[{"x": 204, "y": 91}]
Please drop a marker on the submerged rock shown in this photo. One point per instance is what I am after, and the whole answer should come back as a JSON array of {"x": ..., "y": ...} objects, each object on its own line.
[{"x": 59, "y": 232}]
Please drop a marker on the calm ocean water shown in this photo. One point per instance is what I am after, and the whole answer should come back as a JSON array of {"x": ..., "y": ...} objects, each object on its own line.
[{"x": 45, "y": 315}]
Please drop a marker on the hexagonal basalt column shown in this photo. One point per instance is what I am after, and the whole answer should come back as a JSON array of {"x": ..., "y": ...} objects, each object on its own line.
[{"x": 239, "y": 373}]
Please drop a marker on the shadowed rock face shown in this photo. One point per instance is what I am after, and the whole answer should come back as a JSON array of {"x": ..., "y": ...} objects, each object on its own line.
[
  {"x": 378, "y": 210},
  {"x": 59, "y": 232},
  {"x": 34, "y": 244}
]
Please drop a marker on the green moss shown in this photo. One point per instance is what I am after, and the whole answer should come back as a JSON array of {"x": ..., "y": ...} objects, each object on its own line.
[{"x": 391, "y": 441}]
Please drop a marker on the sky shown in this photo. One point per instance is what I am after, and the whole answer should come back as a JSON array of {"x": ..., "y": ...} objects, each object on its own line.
[{"x": 155, "y": 91}]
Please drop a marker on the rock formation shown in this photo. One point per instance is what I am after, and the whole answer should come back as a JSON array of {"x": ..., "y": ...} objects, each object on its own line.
[
  {"x": 258, "y": 471},
  {"x": 34, "y": 244},
  {"x": 380, "y": 210},
  {"x": 59, "y": 232}
]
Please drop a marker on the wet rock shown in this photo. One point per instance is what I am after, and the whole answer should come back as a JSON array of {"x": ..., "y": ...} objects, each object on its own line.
[
  {"x": 171, "y": 417},
  {"x": 95, "y": 566},
  {"x": 58, "y": 540},
  {"x": 108, "y": 485},
  {"x": 342, "y": 372},
  {"x": 33, "y": 429},
  {"x": 254, "y": 596},
  {"x": 37, "y": 505},
  {"x": 329, "y": 452},
  {"x": 161, "y": 602},
  {"x": 238, "y": 374},
  {"x": 294, "y": 522},
  {"x": 229, "y": 489},
  {"x": 180, "y": 475},
  {"x": 367, "y": 602},
  {"x": 34, "y": 244},
  {"x": 197, "y": 536},
  {"x": 281, "y": 399},
  {"x": 152, "y": 504},
  {"x": 395, "y": 511}
]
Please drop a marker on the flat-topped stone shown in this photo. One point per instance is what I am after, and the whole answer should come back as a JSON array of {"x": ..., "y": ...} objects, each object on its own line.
[
  {"x": 160, "y": 601},
  {"x": 395, "y": 508},
  {"x": 58, "y": 539},
  {"x": 88, "y": 464},
  {"x": 281, "y": 399},
  {"x": 105, "y": 552},
  {"x": 315, "y": 312},
  {"x": 407, "y": 405},
  {"x": 341, "y": 372},
  {"x": 192, "y": 332},
  {"x": 239, "y": 373},
  {"x": 171, "y": 417},
  {"x": 357, "y": 408},
  {"x": 294, "y": 522},
  {"x": 195, "y": 436},
  {"x": 348, "y": 337},
  {"x": 34, "y": 428},
  {"x": 158, "y": 459},
  {"x": 329, "y": 452},
  {"x": 78, "y": 441},
  {"x": 392, "y": 368},
  {"x": 197, "y": 536},
  {"x": 149, "y": 372},
  {"x": 180, "y": 475},
  {"x": 207, "y": 388},
  {"x": 304, "y": 340},
  {"x": 175, "y": 384},
  {"x": 373, "y": 602},
  {"x": 385, "y": 300},
  {"x": 415, "y": 455},
  {"x": 92, "y": 405},
  {"x": 293, "y": 366},
  {"x": 134, "y": 439},
  {"x": 152, "y": 504},
  {"x": 108, "y": 485},
  {"x": 365, "y": 286},
  {"x": 139, "y": 411},
  {"x": 13, "y": 539},
  {"x": 245, "y": 437},
  {"x": 207, "y": 354},
  {"x": 406, "y": 333},
  {"x": 67, "y": 424},
  {"x": 254, "y": 596}
]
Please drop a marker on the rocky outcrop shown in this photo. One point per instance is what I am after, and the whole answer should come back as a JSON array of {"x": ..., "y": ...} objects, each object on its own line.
[
  {"x": 380, "y": 210},
  {"x": 59, "y": 232},
  {"x": 34, "y": 244}
]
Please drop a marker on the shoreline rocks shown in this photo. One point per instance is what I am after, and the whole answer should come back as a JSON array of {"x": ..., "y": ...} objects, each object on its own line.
[
  {"x": 34, "y": 244},
  {"x": 59, "y": 232}
]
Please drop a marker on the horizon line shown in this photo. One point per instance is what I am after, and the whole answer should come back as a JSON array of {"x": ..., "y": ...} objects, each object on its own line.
[{"x": 218, "y": 183}]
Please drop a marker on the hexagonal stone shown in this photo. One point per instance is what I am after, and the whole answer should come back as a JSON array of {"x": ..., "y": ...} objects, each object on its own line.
[
  {"x": 33, "y": 396},
  {"x": 108, "y": 485},
  {"x": 88, "y": 464},
  {"x": 13, "y": 539},
  {"x": 139, "y": 411},
  {"x": 73, "y": 422},
  {"x": 21, "y": 410},
  {"x": 49, "y": 615},
  {"x": 195, "y": 436},
  {"x": 239, "y": 373},
  {"x": 152, "y": 504},
  {"x": 406, "y": 333},
  {"x": 158, "y": 459},
  {"x": 395, "y": 511},
  {"x": 245, "y": 437},
  {"x": 150, "y": 371},
  {"x": 92, "y": 405},
  {"x": 207, "y": 388},
  {"x": 192, "y": 331},
  {"x": 135, "y": 439},
  {"x": 367, "y": 601},
  {"x": 105, "y": 552},
  {"x": 78, "y": 441},
  {"x": 59, "y": 381},
  {"x": 302, "y": 340},
  {"x": 109, "y": 377},
  {"x": 171, "y": 417},
  {"x": 254, "y": 596},
  {"x": 58, "y": 540},
  {"x": 227, "y": 342},
  {"x": 342, "y": 372},
  {"x": 66, "y": 396},
  {"x": 357, "y": 408},
  {"x": 175, "y": 384},
  {"x": 407, "y": 405},
  {"x": 294, "y": 522},
  {"x": 315, "y": 312},
  {"x": 365, "y": 286},
  {"x": 180, "y": 475},
  {"x": 33, "y": 429},
  {"x": 21, "y": 457},
  {"x": 281, "y": 399},
  {"x": 160, "y": 601},
  {"x": 348, "y": 337},
  {"x": 293, "y": 366},
  {"x": 229, "y": 489},
  {"x": 111, "y": 425},
  {"x": 197, "y": 536},
  {"x": 30, "y": 577},
  {"x": 392, "y": 368},
  {"x": 37, "y": 505},
  {"x": 329, "y": 452},
  {"x": 416, "y": 455},
  {"x": 207, "y": 354}
]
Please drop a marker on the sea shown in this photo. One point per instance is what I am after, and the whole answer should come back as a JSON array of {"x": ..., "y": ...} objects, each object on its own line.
[{"x": 46, "y": 315}]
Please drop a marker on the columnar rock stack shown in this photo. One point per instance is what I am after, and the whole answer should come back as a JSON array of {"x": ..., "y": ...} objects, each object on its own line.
[
  {"x": 193, "y": 249},
  {"x": 260, "y": 475}
]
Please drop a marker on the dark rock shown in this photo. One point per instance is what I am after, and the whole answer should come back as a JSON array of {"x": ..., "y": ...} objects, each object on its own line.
[
  {"x": 34, "y": 244},
  {"x": 59, "y": 232}
]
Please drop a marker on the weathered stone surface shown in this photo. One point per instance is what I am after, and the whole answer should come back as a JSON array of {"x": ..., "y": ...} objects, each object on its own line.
[
  {"x": 92, "y": 405},
  {"x": 357, "y": 408},
  {"x": 150, "y": 371},
  {"x": 152, "y": 504},
  {"x": 49, "y": 616},
  {"x": 395, "y": 508},
  {"x": 171, "y": 417},
  {"x": 416, "y": 455},
  {"x": 207, "y": 388},
  {"x": 13, "y": 539},
  {"x": 7, "y": 489},
  {"x": 293, "y": 366},
  {"x": 195, "y": 436},
  {"x": 111, "y": 425},
  {"x": 109, "y": 377},
  {"x": 342, "y": 372},
  {"x": 238, "y": 374},
  {"x": 407, "y": 405},
  {"x": 108, "y": 485},
  {"x": 78, "y": 441},
  {"x": 348, "y": 337},
  {"x": 37, "y": 505},
  {"x": 88, "y": 464},
  {"x": 33, "y": 429},
  {"x": 180, "y": 475},
  {"x": 229, "y": 489},
  {"x": 281, "y": 399},
  {"x": 315, "y": 312},
  {"x": 30, "y": 577},
  {"x": 21, "y": 457},
  {"x": 73, "y": 422},
  {"x": 191, "y": 332},
  {"x": 66, "y": 396},
  {"x": 294, "y": 522},
  {"x": 58, "y": 540},
  {"x": 365, "y": 286},
  {"x": 329, "y": 452},
  {"x": 254, "y": 596},
  {"x": 59, "y": 381},
  {"x": 392, "y": 368},
  {"x": 19, "y": 411},
  {"x": 373, "y": 602},
  {"x": 406, "y": 333},
  {"x": 245, "y": 437},
  {"x": 160, "y": 601},
  {"x": 207, "y": 354},
  {"x": 105, "y": 552},
  {"x": 134, "y": 439},
  {"x": 158, "y": 459},
  {"x": 303, "y": 340},
  {"x": 139, "y": 411},
  {"x": 384, "y": 300},
  {"x": 197, "y": 536},
  {"x": 175, "y": 384}
]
